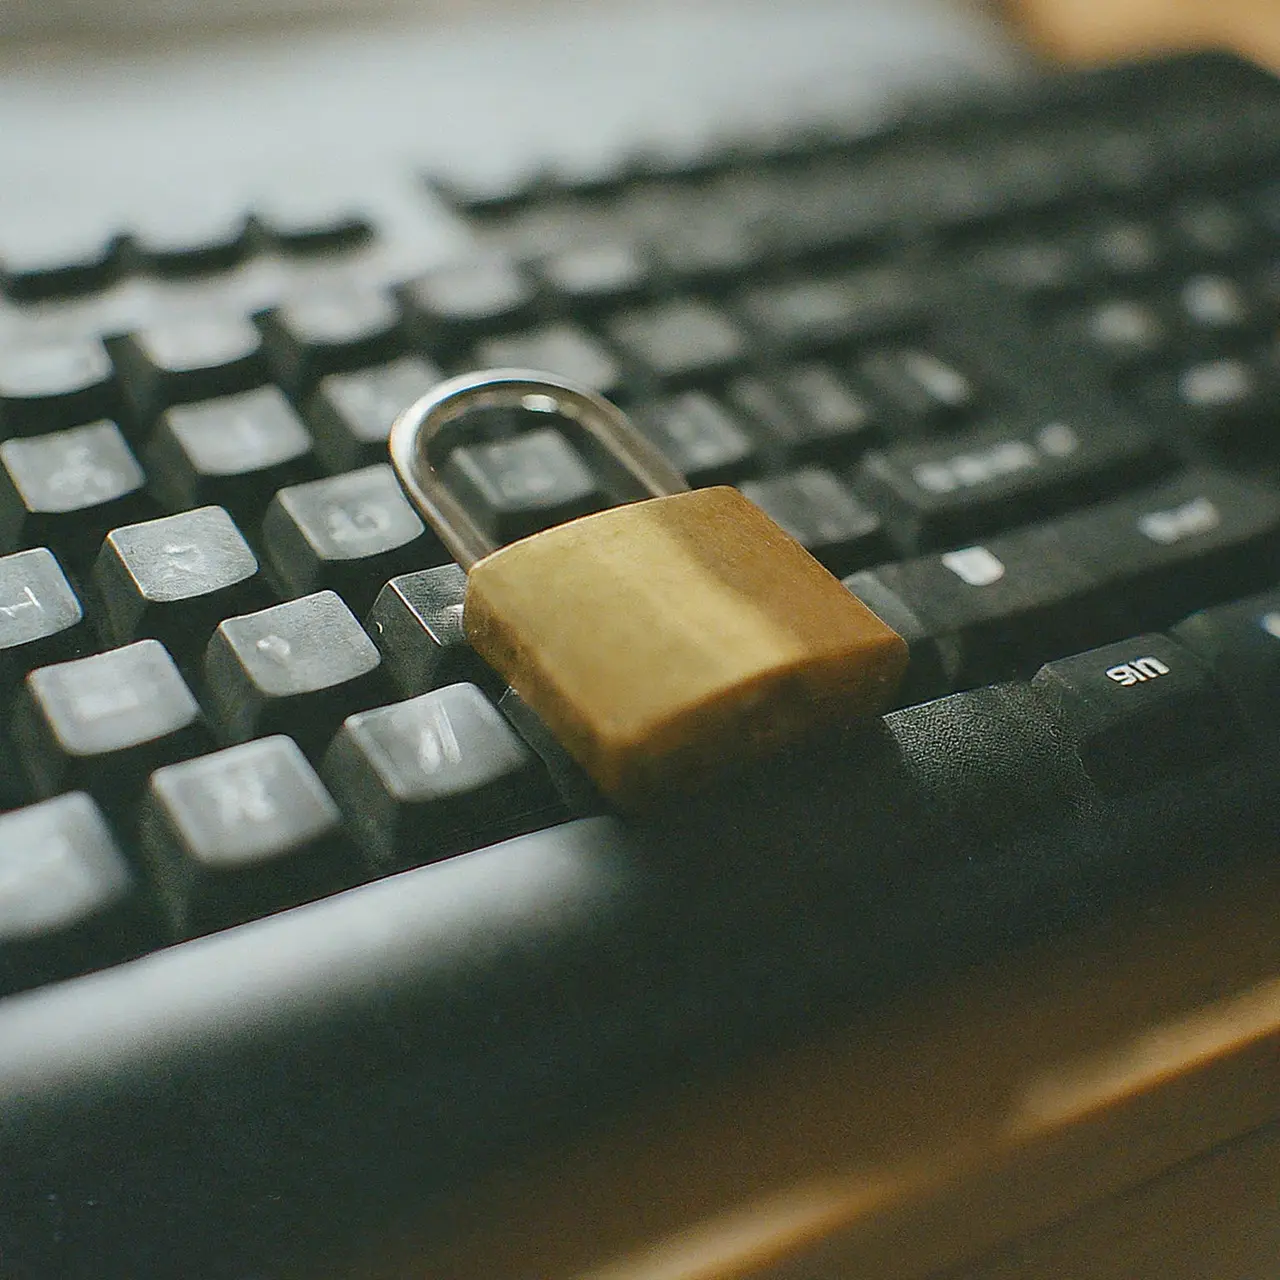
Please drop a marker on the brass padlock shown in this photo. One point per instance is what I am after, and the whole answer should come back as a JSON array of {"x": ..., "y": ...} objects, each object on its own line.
[{"x": 662, "y": 641}]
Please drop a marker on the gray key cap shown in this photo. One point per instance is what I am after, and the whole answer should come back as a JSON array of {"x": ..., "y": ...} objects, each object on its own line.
[
  {"x": 684, "y": 341},
  {"x": 103, "y": 723},
  {"x": 417, "y": 624},
  {"x": 700, "y": 437},
  {"x": 51, "y": 384},
  {"x": 68, "y": 900},
  {"x": 188, "y": 359},
  {"x": 516, "y": 487},
  {"x": 346, "y": 533},
  {"x": 241, "y": 832},
  {"x": 563, "y": 349},
  {"x": 823, "y": 516},
  {"x": 67, "y": 488},
  {"x": 41, "y": 621},
  {"x": 351, "y": 413},
  {"x": 443, "y": 772},
  {"x": 234, "y": 452},
  {"x": 299, "y": 668},
  {"x": 175, "y": 579}
]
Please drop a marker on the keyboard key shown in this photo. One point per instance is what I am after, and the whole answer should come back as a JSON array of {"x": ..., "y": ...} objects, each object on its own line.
[
  {"x": 1140, "y": 561},
  {"x": 41, "y": 620},
  {"x": 68, "y": 900},
  {"x": 700, "y": 437},
  {"x": 351, "y": 413},
  {"x": 347, "y": 533},
  {"x": 188, "y": 359},
  {"x": 1035, "y": 267},
  {"x": 593, "y": 275},
  {"x": 1124, "y": 249},
  {"x": 948, "y": 490},
  {"x": 417, "y": 624},
  {"x": 516, "y": 487},
  {"x": 188, "y": 238},
  {"x": 1227, "y": 398},
  {"x": 240, "y": 833},
  {"x": 835, "y": 310},
  {"x": 678, "y": 342},
  {"x": 233, "y": 452},
  {"x": 1139, "y": 711},
  {"x": 299, "y": 668},
  {"x": 469, "y": 301},
  {"x": 103, "y": 723},
  {"x": 328, "y": 330},
  {"x": 1123, "y": 329},
  {"x": 55, "y": 262},
  {"x": 1240, "y": 644},
  {"x": 303, "y": 222},
  {"x": 823, "y": 516},
  {"x": 1212, "y": 228},
  {"x": 707, "y": 252},
  {"x": 562, "y": 349},
  {"x": 174, "y": 579},
  {"x": 1213, "y": 303},
  {"x": 920, "y": 389},
  {"x": 66, "y": 489},
  {"x": 51, "y": 384},
  {"x": 834, "y": 421},
  {"x": 434, "y": 776}
]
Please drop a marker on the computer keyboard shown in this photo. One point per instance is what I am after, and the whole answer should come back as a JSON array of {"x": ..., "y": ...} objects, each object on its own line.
[{"x": 1009, "y": 367}]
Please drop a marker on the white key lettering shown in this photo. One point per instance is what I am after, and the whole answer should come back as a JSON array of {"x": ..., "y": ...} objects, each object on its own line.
[
  {"x": 1139, "y": 671},
  {"x": 1168, "y": 527},
  {"x": 438, "y": 744},
  {"x": 975, "y": 566},
  {"x": 29, "y": 601}
]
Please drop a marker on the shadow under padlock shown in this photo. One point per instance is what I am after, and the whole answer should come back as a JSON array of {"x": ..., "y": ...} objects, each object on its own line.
[{"x": 664, "y": 642}]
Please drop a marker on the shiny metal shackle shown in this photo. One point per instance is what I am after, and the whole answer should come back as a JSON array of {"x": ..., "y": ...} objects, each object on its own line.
[{"x": 591, "y": 417}]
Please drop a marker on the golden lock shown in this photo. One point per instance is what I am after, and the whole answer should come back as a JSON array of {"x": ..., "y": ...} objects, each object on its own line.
[{"x": 662, "y": 641}]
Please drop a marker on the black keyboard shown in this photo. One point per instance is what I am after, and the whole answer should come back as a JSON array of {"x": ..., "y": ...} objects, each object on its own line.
[{"x": 299, "y": 907}]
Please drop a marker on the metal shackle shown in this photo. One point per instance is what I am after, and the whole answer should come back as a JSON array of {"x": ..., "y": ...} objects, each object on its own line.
[{"x": 591, "y": 418}]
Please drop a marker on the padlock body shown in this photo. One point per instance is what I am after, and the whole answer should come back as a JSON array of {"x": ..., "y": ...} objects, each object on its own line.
[{"x": 664, "y": 641}]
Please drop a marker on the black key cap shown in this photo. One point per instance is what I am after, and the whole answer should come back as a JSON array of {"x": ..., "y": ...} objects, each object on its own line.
[
  {"x": 297, "y": 221},
  {"x": 1240, "y": 643},
  {"x": 1037, "y": 268},
  {"x": 434, "y": 776},
  {"x": 44, "y": 262},
  {"x": 823, "y": 516},
  {"x": 469, "y": 301},
  {"x": 1123, "y": 329},
  {"x": 41, "y": 620},
  {"x": 700, "y": 437},
  {"x": 1212, "y": 228},
  {"x": 195, "y": 358},
  {"x": 299, "y": 668},
  {"x": 563, "y": 349},
  {"x": 1124, "y": 249},
  {"x": 1227, "y": 398},
  {"x": 833, "y": 421},
  {"x": 103, "y": 723},
  {"x": 234, "y": 452},
  {"x": 46, "y": 385},
  {"x": 948, "y": 490},
  {"x": 347, "y": 533},
  {"x": 417, "y": 624},
  {"x": 1210, "y": 304},
  {"x": 66, "y": 489},
  {"x": 835, "y": 310},
  {"x": 188, "y": 238},
  {"x": 1139, "y": 711},
  {"x": 68, "y": 900},
  {"x": 240, "y": 833},
  {"x": 679, "y": 342},
  {"x": 593, "y": 275},
  {"x": 351, "y": 413},
  {"x": 1143, "y": 560},
  {"x": 174, "y": 579},
  {"x": 516, "y": 487},
  {"x": 986, "y": 612},
  {"x": 919, "y": 389},
  {"x": 707, "y": 252},
  {"x": 329, "y": 330}
]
